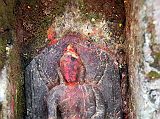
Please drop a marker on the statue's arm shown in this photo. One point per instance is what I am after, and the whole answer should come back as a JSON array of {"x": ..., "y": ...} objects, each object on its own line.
[
  {"x": 52, "y": 104},
  {"x": 100, "y": 107}
]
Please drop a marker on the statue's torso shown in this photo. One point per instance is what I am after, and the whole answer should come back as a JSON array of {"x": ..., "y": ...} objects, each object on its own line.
[{"x": 76, "y": 102}]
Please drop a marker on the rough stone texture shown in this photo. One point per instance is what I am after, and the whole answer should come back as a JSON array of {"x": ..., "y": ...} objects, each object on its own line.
[
  {"x": 143, "y": 38},
  {"x": 43, "y": 70},
  {"x": 96, "y": 40},
  {"x": 3, "y": 93},
  {"x": 74, "y": 99},
  {"x": 76, "y": 102},
  {"x": 32, "y": 19}
]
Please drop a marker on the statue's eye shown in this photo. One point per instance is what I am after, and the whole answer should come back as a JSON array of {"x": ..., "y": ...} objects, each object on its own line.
[{"x": 73, "y": 59}]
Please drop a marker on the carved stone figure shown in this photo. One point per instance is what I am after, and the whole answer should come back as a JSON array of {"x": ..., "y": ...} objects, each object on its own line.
[
  {"x": 59, "y": 75},
  {"x": 74, "y": 99}
]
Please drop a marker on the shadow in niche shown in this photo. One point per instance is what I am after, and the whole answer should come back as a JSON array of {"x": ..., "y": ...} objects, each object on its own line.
[
  {"x": 59, "y": 113},
  {"x": 0, "y": 110}
]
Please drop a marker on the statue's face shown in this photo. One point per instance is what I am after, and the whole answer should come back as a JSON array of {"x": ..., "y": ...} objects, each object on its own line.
[{"x": 70, "y": 63}]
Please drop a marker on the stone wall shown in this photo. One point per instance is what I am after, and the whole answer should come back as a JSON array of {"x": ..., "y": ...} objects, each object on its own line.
[{"x": 143, "y": 45}]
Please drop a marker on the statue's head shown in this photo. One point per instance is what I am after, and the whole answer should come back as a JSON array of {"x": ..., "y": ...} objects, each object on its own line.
[{"x": 70, "y": 65}]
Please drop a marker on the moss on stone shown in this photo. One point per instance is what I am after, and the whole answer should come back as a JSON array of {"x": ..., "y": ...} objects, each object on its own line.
[
  {"x": 6, "y": 22},
  {"x": 2, "y": 51},
  {"x": 32, "y": 2},
  {"x": 156, "y": 63},
  {"x": 16, "y": 78},
  {"x": 153, "y": 75},
  {"x": 6, "y": 13},
  {"x": 157, "y": 56}
]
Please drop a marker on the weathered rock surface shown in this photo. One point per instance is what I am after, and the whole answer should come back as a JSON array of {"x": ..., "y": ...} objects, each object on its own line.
[
  {"x": 75, "y": 102},
  {"x": 144, "y": 41},
  {"x": 100, "y": 71}
]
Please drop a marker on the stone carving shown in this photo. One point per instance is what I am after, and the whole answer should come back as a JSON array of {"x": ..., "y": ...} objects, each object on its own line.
[
  {"x": 74, "y": 99},
  {"x": 95, "y": 90}
]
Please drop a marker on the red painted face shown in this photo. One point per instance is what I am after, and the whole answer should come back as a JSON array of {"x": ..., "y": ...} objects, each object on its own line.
[{"x": 70, "y": 65}]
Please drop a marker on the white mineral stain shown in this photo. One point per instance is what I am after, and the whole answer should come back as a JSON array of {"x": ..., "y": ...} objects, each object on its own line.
[
  {"x": 72, "y": 20},
  {"x": 4, "y": 84},
  {"x": 3, "y": 92},
  {"x": 148, "y": 94}
]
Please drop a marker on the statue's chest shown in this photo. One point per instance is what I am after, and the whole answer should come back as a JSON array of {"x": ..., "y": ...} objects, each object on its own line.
[{"x": 76, "y": 98}]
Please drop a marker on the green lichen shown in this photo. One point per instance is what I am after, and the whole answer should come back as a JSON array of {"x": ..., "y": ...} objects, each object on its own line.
[
  {"x": 20, "y": 99},
  {"x": 6, "y": 22},
  {"x": 2, "y": 51},
  {"x": 153, "y": 75},
  {"x": 156, "y": 62},
  {"x": 157, "y": 56},
  {"x": 16, "y": 78},
  {"x": 6, "y": 13},
  {"x": 88, "y": 14}
]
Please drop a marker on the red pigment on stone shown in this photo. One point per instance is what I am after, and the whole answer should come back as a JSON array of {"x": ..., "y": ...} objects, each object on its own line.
[
  {"x": 52, "y": 42},
  {"x": 51, "y": 36},
  {"x": 70, "y": 65},
  {"x": 12, "y": 104}
]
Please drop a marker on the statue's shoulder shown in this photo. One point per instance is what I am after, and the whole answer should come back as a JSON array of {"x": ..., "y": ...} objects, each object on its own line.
[{"x": 57, "y": 90}]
